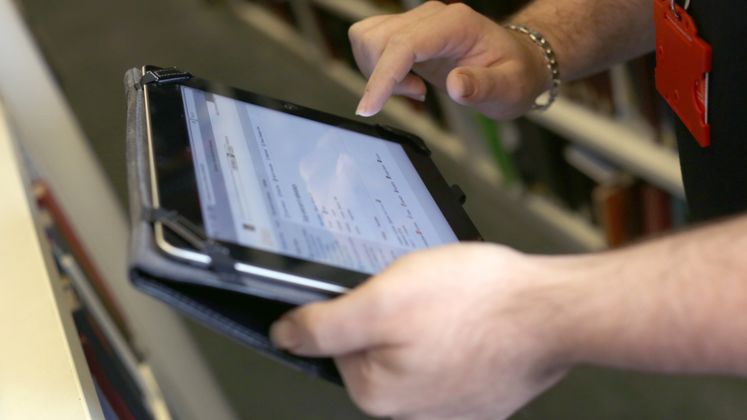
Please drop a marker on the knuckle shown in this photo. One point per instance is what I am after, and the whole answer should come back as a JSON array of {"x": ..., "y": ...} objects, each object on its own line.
[
  {"x": 415, "y": 259},
  {"x": 373, "y": 407},
  {"x": 310, "y": 323},
  {"x": 432, "y": 4},
  {"x": 356, "y": 30},
  {"x": 399, "y": 40},
  {"x": 501, "y": 250},
  {"x": 460, "y": 9}
]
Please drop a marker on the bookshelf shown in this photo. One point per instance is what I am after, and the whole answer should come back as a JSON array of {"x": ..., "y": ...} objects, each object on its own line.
[
  {"x": 43, "y": 373},
  {"x": 58, "y": 152},
  {"x": 616, "y": 141},
  {"x": 351, "y": 10}
]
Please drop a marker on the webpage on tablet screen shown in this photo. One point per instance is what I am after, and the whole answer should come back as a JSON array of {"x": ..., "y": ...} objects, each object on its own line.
[{"x": 285, "y": 184}]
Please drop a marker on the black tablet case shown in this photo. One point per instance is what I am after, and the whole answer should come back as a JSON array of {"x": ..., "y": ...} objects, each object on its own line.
[{"x": 241, "y": 316}]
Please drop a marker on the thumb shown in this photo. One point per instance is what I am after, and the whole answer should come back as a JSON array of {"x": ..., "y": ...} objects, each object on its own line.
[
  {"x": 330, "y": 328},
  {"x": 475, "y": 85}
]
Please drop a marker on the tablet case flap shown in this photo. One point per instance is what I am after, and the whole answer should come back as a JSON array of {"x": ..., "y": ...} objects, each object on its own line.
[{"x": 244, "y": 316}]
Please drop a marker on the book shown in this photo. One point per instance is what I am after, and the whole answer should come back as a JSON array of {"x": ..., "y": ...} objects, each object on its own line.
[
  {"x": 539, "y": 161},
  {"x": 114, "y": 366},
  {"x": 589, "y": 170},
  {"x": 657, "y": 210},
  {"x": 595, "y": 92},
  {"x": 615, "y": 205},
  {"x": 62, "y": 232},
  {"x": 119, "y": 387}
]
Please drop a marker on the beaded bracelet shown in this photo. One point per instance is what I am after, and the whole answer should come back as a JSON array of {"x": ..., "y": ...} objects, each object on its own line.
[{"x": 552, "y": 62}]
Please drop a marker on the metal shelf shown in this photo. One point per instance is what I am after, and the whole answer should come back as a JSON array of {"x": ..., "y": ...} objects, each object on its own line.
[
  {"x": 29, "y": 92},
  {"x": 41, "y": 354},
  {"x": 351, "y": 10},
  {"x": 619, "y": 143}
]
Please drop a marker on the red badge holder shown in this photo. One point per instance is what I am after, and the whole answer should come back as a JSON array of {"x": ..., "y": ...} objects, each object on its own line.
[{"x": 683, "y": 67}]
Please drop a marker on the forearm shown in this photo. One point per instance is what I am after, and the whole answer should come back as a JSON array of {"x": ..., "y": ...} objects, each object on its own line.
[
  {"x": 677, "y": 305},
  {"x": 673, "y": 305},
  {"x": 591, "y": 35}
]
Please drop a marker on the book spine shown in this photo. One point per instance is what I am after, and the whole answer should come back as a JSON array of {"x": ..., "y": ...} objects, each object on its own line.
[
  {"x": 46, "y": 200},
  {"x": 657, "y": 214}
]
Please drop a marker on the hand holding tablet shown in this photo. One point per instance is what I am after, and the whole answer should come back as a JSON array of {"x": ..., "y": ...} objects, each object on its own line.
[{"x": 244, "y": 206}]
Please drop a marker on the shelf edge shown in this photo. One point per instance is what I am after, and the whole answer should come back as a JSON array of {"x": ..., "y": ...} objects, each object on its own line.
[{"x": 616, "y": 142}]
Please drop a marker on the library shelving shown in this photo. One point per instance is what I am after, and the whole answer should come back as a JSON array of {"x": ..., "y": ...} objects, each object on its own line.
[
  {"x": 40, "y": 343},
  {"x": 616, "y": 141},
  {"x": 40, "y": 353}
]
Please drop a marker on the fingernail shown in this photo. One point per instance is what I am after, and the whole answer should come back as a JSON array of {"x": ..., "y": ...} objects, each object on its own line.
[
  {"x": 362, "y": 111},
  {"x": 285, "y": 335},
  {"x": 468, "y": 87},
  {"x": 421, "y": 98}
]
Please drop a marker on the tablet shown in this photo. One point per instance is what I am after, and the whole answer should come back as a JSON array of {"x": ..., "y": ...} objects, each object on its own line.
[{"x": 293, "y": 195}]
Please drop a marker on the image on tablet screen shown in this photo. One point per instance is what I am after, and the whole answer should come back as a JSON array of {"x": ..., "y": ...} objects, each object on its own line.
[{"x": 285, "y": 184}]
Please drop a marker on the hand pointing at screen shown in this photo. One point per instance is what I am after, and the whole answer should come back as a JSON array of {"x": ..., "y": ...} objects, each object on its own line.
[{"x": 476, "y": 61}]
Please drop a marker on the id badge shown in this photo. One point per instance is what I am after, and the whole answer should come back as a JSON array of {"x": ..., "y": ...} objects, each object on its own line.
[{"x": 683, "y": 67}]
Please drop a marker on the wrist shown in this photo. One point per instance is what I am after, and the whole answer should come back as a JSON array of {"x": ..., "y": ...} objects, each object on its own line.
[
  {"x": 541, "y": 57},
  {"x": 536, "y": 59},
  {"x": 541, "y": 302},
  {"x": 599, "y": 308},
  {"x": 573, "y": 303}
]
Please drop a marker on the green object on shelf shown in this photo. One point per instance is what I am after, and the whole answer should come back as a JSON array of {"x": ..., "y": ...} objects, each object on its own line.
[{"x": 502, "y": 158}]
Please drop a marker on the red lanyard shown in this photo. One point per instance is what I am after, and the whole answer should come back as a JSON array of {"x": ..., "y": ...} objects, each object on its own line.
[{"x": 683, "y": 67}]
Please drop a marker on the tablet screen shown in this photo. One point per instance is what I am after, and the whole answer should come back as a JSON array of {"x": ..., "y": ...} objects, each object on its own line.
[{"x": 281, "y": 183}]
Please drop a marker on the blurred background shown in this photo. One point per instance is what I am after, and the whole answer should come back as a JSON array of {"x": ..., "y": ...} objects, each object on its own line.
[{"x": 598, "y": 171}]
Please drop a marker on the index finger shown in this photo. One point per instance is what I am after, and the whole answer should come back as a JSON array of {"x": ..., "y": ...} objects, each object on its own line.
[{"x": 401, "y": 53}]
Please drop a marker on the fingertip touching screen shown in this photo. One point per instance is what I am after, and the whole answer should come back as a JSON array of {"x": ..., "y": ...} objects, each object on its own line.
[{"x": 282, "y": 183}]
